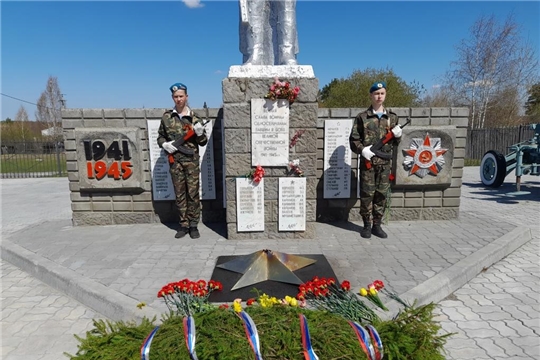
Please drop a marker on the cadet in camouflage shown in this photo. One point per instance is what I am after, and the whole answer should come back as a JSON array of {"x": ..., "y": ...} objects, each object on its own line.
[
  {"x": 368, "y": 128},
  {"x": 180, "y": 134}
]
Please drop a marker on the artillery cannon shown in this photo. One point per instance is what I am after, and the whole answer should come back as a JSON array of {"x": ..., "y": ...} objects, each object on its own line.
[{"x": 523, "y": 157}]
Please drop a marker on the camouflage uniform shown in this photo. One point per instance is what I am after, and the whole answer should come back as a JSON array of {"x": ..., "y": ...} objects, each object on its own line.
[
  {"x": 374, "y": 183},
  {"x": 185, "y": 168}
]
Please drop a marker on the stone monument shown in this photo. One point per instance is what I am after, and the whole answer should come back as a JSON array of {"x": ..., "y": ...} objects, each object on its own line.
[{"x": 272, "y": 133}]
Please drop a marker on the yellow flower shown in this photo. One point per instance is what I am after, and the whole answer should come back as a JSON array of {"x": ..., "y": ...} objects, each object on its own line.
[
  {"x": 294, "y": 302},
  {"x": 291, "y": 301},
  {"x": 363, "y": 292},
  {"x": 237, "y": 307},
  {"x": 373, "y": 291},
  {"x": 141, "y": 305}
]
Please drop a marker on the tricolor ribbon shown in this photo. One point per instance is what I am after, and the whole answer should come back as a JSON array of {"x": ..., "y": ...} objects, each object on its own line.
[
  {"x": 363, "y": 338},
  {"x": 378, "y": 348},
  {"x": 189, "y": 335},
  {"x": 251, "y": 333},
  {"x": 145, "y": 348},
  {"x": 309, "y": 354}
]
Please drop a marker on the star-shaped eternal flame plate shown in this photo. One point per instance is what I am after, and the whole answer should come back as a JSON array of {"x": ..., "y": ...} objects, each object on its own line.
[{"x": 265, "y": 265}]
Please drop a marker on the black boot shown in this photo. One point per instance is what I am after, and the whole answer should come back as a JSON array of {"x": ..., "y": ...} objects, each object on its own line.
[
  {"x": 377, "y": 230},
  {"x": 366, "y": 230},
  {"x": 194, "y": 232},
  {"x": 181, "y": 232}
]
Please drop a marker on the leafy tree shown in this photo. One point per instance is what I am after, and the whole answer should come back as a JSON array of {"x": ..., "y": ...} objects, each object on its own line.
[
  {"x": 354, "y": 90},
  {"x": 49, "y": 106},
  {"x": 8, "y": 120},
  {"x": 492, "y": 62},
  {"x": 532, "y": 106}
]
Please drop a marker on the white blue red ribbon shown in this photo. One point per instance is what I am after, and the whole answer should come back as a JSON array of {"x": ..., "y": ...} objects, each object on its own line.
[
  {"x": 378, "y": 348},
  {"x": 189, "y": 335},
  {"x": 145, "y": 348},
  {"x": 251, "y": 333},
  {"x": 364, "y": 339},
  {"x": 309, "y": 353}
]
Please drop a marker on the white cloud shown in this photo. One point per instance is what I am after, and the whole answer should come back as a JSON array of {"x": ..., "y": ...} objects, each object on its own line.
[
  {"x": 436, "y": 86},
  {"x": 218, "y": 72},
  {"x": 192, "y": 4}
]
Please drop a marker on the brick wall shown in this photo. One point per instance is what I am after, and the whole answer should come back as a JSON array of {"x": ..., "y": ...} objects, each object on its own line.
[
  {"x": 414, "y": 203},
  {"x": 127, "y": 207},
  {"x": 101, "y": 208}
]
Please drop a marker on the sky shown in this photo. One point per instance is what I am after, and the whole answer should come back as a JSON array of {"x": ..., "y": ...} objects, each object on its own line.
[{"x": 126, "y": 54}]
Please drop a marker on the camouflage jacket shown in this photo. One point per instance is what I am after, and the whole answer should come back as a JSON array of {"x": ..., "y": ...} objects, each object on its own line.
[
  {"x": 368, "y": 129},
  {"x": 173, "y": 128}
]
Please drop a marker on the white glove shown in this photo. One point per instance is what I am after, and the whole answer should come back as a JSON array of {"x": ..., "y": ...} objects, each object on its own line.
[
  {"x": 396, "y": 130},
  {"x": 367, "y": 153},
  {"x": 199, "y": 129},
  {"x": 169, "y": 147}
]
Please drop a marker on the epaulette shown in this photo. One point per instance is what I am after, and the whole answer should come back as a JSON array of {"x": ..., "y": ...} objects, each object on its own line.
[{"x": 166, "y": 114}]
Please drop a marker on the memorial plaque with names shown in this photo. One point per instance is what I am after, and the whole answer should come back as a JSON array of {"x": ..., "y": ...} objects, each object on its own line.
[
  {"x": 162, "y": 186},
  {"x": 337, "y": 159},
  {"x": 269, "y": 132},
  {"x": 207, "y": 180},
  {"x": 249, "y": 205},
  {"x": 292, "y": 204}
]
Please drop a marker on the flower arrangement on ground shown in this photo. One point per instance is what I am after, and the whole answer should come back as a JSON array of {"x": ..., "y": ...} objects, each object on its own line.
[
  {"x": 256, "y": 174},
  {"x": 282, "y": 90},
  {"x": 327, "y": 294},
  {"x": 286, "y": 328},
  {"x": 186, "y": 297}
]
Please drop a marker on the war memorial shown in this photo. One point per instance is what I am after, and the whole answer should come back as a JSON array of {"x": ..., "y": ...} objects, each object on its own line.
[{"x": 119, "y": 175}]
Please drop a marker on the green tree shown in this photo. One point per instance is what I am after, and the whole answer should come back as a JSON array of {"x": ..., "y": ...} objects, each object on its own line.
[
  {"x": 532, "y": 106},
  {"x": 353, "y": 91},
  {"x": 8, "y": 120}
]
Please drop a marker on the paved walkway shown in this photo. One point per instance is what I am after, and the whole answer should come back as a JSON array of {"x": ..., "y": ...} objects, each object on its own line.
[
  {"x": 497, "y": 314},
  {"x": 112, "y": 268}
]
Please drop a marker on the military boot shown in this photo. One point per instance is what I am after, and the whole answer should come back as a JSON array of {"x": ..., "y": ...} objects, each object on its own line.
[
  {"x": 366, "y": 230},
  {"x": 377, "y": 230},
  {"x": 181, "y": 232}
]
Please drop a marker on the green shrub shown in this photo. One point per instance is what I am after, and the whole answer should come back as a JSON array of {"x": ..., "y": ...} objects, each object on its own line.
[{"x": 411, "y": 335}]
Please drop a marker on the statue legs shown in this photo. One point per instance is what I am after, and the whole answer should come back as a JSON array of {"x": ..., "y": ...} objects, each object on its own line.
[
  {"x": 268, "y": 32},
  {"x": 255, "y": 33},
  {"x": 286, "y": 32}
]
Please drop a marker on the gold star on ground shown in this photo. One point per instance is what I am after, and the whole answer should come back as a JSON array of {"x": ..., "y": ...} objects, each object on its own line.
[{"x": 265, "y": 265}]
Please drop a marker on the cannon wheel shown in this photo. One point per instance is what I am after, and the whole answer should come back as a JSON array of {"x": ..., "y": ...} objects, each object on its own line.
[{"x": 493, "y": 169}]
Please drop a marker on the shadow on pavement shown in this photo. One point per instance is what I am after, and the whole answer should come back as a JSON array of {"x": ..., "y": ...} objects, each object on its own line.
[{"x": 506, "y": 193}]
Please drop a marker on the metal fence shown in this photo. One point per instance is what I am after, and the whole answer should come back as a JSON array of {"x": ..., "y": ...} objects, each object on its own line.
[
  {"x": 32, "y": 159},
  {"x": 479, "y": 141}
]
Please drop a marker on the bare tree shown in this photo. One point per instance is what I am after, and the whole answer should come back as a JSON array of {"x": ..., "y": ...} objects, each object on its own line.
[
  {"x": 495, "y": 60},
  {"x": 49, "y": 107},
  {"x": 22, "y": 117}
]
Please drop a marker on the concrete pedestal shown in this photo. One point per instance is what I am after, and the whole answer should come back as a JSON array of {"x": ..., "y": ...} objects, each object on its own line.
[{"x": 252, "y": 82}]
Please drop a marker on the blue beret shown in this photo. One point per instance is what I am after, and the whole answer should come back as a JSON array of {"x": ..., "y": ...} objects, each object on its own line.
[
  {"x": 377, "y": 86},
  {"x": 177, "y": 86}
]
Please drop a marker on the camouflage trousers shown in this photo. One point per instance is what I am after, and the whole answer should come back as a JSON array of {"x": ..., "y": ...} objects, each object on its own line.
[
  {"x": 185, "y": 178},
  {"x": 374, "y": 185}
]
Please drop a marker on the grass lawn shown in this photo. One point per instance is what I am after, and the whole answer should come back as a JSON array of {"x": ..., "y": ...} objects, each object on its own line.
[{"x": 32, "y": 163}]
